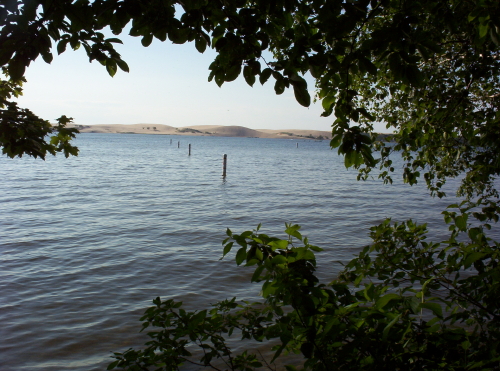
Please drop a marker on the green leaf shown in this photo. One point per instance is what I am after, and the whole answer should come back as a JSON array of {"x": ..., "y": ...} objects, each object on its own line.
[
  {"x": 483, "y": 29},
  {"x": 316, "y": 71},
  {"x": 278, "y": 352},
  {"x": 385, "y": 332},
  {"x": 461, "y": 222},
  {"x": 248, "y": 75},
  {"x": 146, "y": 40},
  {"x": 414, "y": 76},
  {"x": 307, "y": 349},
  {"x": 336, "y": 141},
  {"x": 219, "y": 78},
  {"x": 267, "y": 289},
  {"x": 382, "y": 302},
  {"x": 434, "y": 307},
  {"x": 327, "y": 102},
  {"x": 301, "y": 94},
  {"x": 494, "y": 36},
  {"x": 366, "y": 65},
  {"x": 413, "y": 304},
  {"x": 16, "y": 69},
  {"x": 227, "y": 248},
  {"x": 232, "y": 73},
  {"x": 112, "y": 365},
  {"x": 279, "y": 86},
  {"x": 257, "y": 273},
  {"x": 294, "y": 231},
  {"x": 201, "y": 44},
  {"x": 332, "y": 321},
  {"x": 122, "y": 64},
  {"x": 114, "y": 40},
  {"x": 264, "y": 75},
  {"x": 279, "y": 244},
  {"x": 315, "y": 248},
  {"x": 278, "y": 259},
  {"x": 61, "y": 46},
  {"x": 178, "y": 35},
  {"x": 465, "y": 344},
  {"x": 246, "y": 234},
  {"x": 258, "y": 254},
  {"x": 111, "y": 67},
  {"x": 366, "y": 114},
  {"x": 473, "y": 257},
  {"x": 47, "y": 57},
  {"x": 198, "y": 318},
  {"x": 241, "y": 255}
]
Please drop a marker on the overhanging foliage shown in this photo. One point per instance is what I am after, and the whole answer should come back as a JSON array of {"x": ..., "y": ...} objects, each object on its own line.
[{"x": 428, "y": 69}]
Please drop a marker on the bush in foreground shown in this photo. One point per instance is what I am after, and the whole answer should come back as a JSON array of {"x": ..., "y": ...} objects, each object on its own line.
[{"x": 402, "y": 303}]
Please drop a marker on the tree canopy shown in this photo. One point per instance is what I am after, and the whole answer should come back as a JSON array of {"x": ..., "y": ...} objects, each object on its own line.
[{"x": 428, "y": 69}]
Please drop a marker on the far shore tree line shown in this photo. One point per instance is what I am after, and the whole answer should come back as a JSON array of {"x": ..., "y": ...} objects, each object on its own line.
[{"x": 428, "y": 69}]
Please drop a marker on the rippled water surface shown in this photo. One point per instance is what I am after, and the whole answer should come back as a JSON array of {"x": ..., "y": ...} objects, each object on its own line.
[{"x": 87, "y": 242}]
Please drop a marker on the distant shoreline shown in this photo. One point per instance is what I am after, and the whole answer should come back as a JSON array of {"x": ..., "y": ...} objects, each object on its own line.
[{"x": 205, "y": 130}]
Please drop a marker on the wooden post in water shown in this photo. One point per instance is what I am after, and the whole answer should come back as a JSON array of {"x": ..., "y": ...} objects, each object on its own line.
[
  {"x": 170, "y": 141},
  {"x": 179, "y": 144},
  {"x": 189, "y": 151},
  {"x": 224, "y": 165},
  {"x": 297, "y": 144}
]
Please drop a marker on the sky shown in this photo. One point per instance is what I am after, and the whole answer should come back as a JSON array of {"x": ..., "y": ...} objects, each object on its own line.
[{"x": 167, "y": 84}]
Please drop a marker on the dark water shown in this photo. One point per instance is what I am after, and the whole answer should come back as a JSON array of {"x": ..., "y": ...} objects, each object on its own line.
[{"x": 86, "y": 243}]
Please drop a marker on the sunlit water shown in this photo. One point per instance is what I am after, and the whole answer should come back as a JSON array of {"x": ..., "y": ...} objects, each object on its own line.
[{"x": 87, "y": 242}]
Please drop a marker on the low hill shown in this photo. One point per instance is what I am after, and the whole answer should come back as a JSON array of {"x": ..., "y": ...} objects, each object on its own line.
[
  {"x": 298, "y": 133},
  {"x": 234, "y": 131},
  {"x": 204, "y": 130}
]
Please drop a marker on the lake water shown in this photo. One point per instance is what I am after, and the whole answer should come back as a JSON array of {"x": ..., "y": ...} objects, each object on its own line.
[{"x": 87, "y": 242}]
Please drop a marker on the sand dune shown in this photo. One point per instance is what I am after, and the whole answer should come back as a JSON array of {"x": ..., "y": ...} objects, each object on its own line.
[
  {"x": 235, "y": 131},
  {"x": 204, "y": 130},
  {"x": 297, "y": 132}
]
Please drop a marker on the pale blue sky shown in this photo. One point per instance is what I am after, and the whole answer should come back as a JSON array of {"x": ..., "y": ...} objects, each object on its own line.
[{"x": 167, "y": 84}]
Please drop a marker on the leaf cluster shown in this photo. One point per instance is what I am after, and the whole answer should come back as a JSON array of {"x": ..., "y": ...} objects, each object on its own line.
[
  {"x": 402, "y": 303},
  {"x": 22, "y": 132},
  {"x": 427, "y": 69}
]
